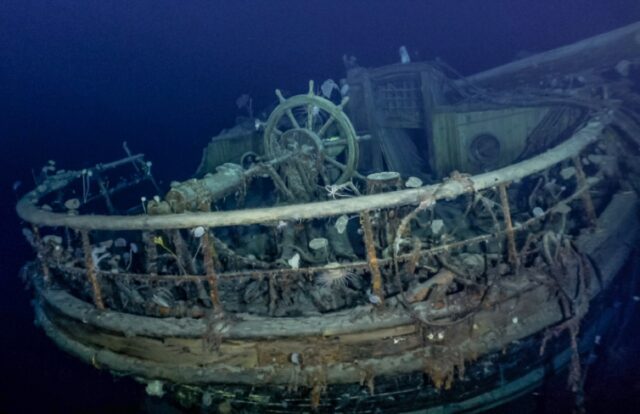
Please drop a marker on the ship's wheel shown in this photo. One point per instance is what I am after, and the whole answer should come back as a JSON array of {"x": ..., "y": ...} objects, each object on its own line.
[{"x": 316, "y": 128}]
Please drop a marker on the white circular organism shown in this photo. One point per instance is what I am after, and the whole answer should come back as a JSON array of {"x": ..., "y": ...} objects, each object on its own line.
[
  {"x": 318, "y": 243},
  {"x": 294, "y": 261},
  {"x": 373, "y": 298},
  {"x": 436, "y": 226},
  {"x": 341, "y": 223},
  {"x": 155, "y": 388},
  {"x": 295, "y": 358},
  {"x": 567, "y": 172},
  {"x": 537, "y": 212},
  {"x": 413, "y": 182},
  {"x": 72, "y": 204},
  {"x": 198, "y": 232}
]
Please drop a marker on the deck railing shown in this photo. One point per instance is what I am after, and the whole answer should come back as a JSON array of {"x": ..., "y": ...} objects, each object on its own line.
[{"x": 410, "y": 243}]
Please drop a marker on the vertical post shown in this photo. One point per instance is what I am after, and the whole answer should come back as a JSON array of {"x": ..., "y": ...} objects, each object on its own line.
[
  {"x": 272, "y": 294},
  {"x": 506, "y": 211},
  {"x": 372, "y": 122},
  {"x": 207, "y": 251},
  {"x": 150, "y": 253},
  {"x": 372, "y": 259},
  {"x": 182, "y": 252},
  {"x": 105, "y": 192},
  {"x": 46, "y": 273},
  {"x": 587, "y": 202},
  {"x": 428, "y": 103},
  {"x": 91, "y": 270}
]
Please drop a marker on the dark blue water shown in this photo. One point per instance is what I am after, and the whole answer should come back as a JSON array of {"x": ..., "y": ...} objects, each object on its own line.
[{"x": 77, "y": 78}]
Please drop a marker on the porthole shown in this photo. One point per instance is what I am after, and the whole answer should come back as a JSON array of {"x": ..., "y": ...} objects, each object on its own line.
[{"x": 485, "y": 150}]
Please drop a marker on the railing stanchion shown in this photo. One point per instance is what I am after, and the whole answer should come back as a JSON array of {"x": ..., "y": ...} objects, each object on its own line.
[
  {"x": 587, "y": 202},
  {"x": 511, "y": 240},
  {"x": 91, "y": 270}
]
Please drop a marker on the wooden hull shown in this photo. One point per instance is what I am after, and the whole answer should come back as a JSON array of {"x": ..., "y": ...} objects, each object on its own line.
[{"x": 353, "y": 360}]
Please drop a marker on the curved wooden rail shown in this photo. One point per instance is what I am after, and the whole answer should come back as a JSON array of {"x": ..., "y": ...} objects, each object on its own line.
[{"x": 28, "y": 209}]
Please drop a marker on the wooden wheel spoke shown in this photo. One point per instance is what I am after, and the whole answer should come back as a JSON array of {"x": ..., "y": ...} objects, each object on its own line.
[
  {"x": 342, "y": 167},
  {"x": 309, "y": 116},
  {"x": 293, "y": 119},
  {"x": 334, "y": 143},
  {"x": 326, "y": 125},
  {"x": 335, "y": 163}
]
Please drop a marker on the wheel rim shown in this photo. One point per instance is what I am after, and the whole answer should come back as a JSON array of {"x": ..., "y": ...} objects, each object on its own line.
[{"x": 317, "y": 119}]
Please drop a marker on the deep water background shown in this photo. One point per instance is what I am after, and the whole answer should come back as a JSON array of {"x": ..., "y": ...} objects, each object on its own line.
[{"x": 77, "y": 78}]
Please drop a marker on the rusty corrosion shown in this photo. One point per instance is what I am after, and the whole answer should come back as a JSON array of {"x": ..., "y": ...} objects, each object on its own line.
[
  {"x": 212, "y": 279},
  {"x": 511, "y": 241},
  {"x": 91, "y": 269},
  {"x": 372, "y": 259}
]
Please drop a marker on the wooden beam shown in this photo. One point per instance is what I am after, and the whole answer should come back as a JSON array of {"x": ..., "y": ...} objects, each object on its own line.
[{"x": 604, "y": 50}]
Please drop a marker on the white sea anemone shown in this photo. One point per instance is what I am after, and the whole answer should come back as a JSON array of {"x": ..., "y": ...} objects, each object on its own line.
[
  {"x": 335, "y": 277},
  {"x": 413, "y": 182},
  {"x": 294, "y": 261},
  {"x": 436, "y": 226},
  {"x": 198, "y": 232},
  {"x": 155, "y": 388},
  {"x": 341, "y": 223}
]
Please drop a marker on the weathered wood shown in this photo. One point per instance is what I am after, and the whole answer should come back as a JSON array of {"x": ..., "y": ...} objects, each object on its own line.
[
  {"x": 493, "y": 328},
  {"x": 428, "y": 104},
  {"x": 484, "y": 339},
  {"x": 177, "y": 350},
  {"x": 212, "y": 279},
  {"x": 506, "y": 212},
  {"x": 28, "y": 210},
  {"x": 372, "y": 257},
  {"x": 587, "y": 202},
  {"x": 372, "y": 123},
  {"x": 608, "y": 245},
  {"x": 91, "y": 270},
  {"x": 46, "y": 273},
  {"x": 603, "y": 50}
]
